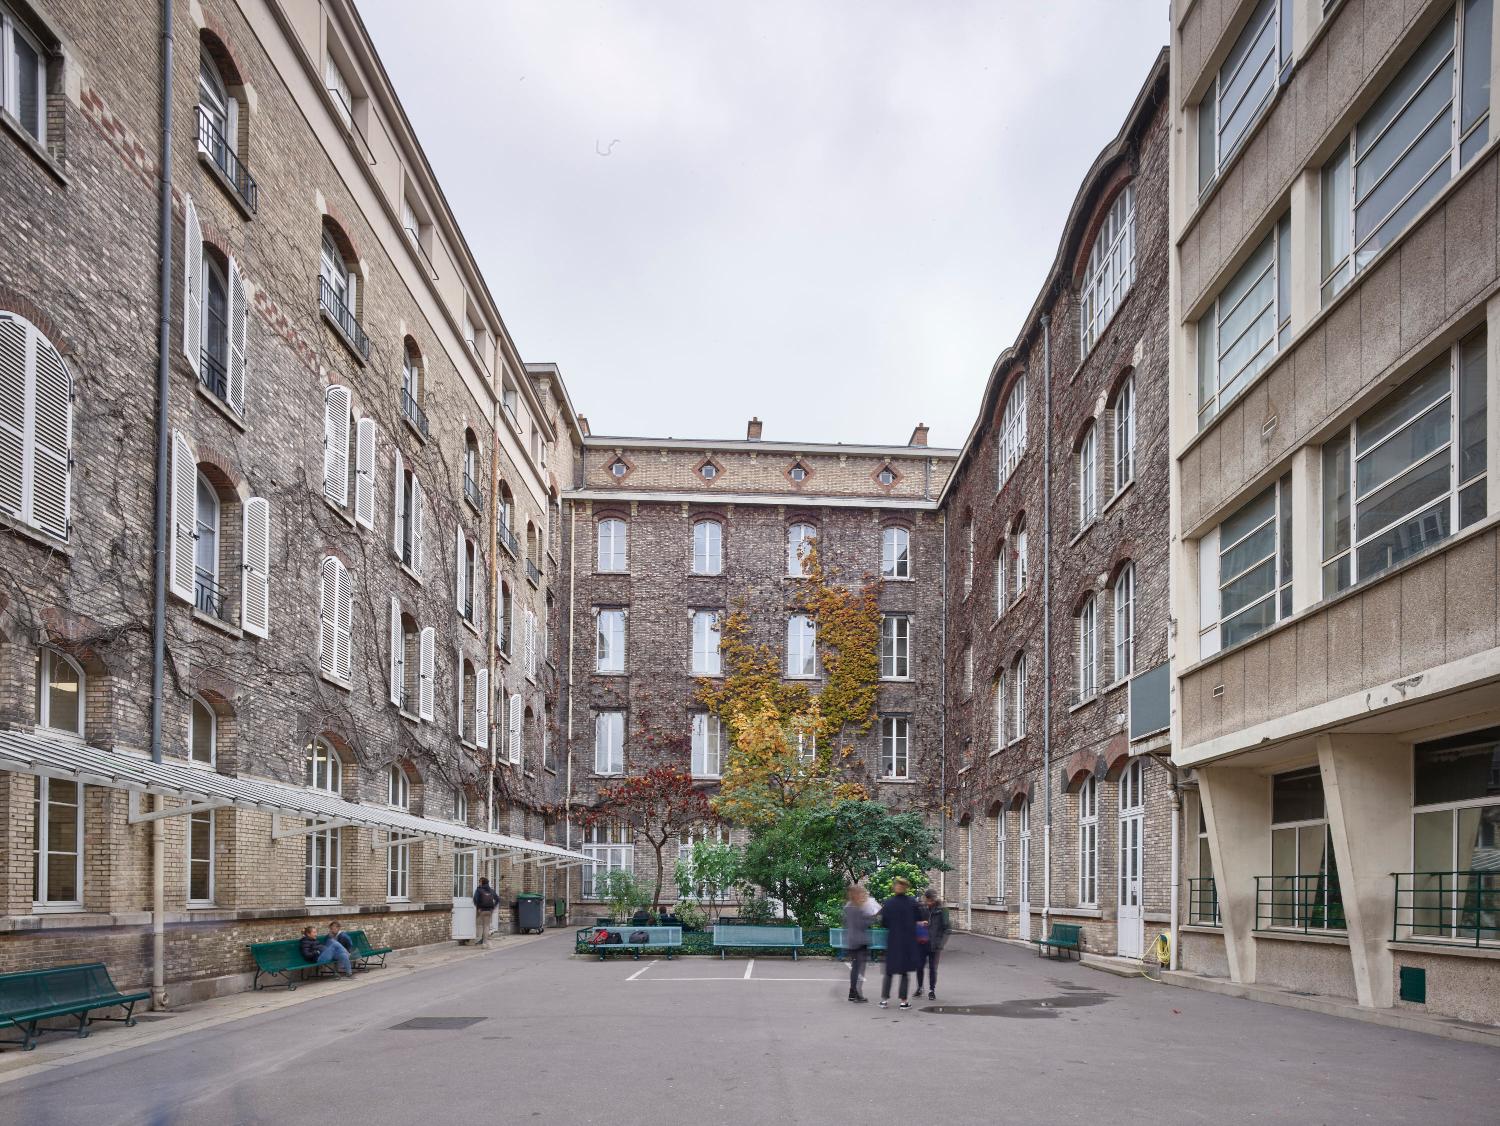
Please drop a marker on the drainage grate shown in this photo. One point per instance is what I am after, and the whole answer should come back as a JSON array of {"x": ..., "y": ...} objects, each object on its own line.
[{"x": 432, "y": 1024}]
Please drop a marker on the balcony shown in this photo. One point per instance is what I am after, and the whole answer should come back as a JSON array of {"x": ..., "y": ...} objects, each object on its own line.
[
  {"x": 412, "y": 411},
  {"x": 508, "y": 541},
  {"x": 209, "y": 598},
  {"x": 1448, "y": 908},
  {"x": 343, "y": 319},
  {"x": 533, "y": 573},
  {"x": 1309, "y": 904},
  {"x": 471, "y": 493},
  {"x": 213, "y": 376},
  {"x": 1203, "y": 903},
  {"x": 218, "y": 149},
  {"x": 468, "y": 609}
]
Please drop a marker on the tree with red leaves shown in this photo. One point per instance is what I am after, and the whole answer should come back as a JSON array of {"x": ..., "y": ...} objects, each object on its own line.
[{"x": 657, "y": 804}]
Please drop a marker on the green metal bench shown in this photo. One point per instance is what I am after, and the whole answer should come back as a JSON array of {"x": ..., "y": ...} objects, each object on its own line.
[
  {"x": 739, "y": 936},
  {"x": 280, "y": 959},
  {"x": 1064, "y": 937},
  {"x": 666, "y": 938},
  {"x": 364, "y": 953},
  {"x": 32, "y": 996},
  {"x": 877, "y": 938}
]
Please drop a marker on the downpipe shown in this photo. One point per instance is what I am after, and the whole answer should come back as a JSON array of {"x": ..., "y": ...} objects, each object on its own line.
[
  {"x": 1047, "y": 620},
  {"x": 159, "y": 594}
]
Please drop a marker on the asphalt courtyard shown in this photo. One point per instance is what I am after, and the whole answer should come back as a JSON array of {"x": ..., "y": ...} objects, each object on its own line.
[{"x": 543, "y": 1037}]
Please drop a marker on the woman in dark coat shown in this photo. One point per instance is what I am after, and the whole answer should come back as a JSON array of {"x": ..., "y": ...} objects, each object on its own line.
[{"x": 899, "y": 916}]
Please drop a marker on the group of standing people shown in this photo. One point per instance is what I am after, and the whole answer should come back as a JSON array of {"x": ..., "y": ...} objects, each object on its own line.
[{"x": 916, "y": 932}]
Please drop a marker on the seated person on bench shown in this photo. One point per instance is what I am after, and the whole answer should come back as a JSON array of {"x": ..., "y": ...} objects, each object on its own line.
[{"x": 330, "y": 950}]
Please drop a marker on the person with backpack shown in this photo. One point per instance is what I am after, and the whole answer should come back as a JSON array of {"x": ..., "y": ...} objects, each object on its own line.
[
  {"x": 931, "y": 945},
  {"x": 485, "y": 902}
]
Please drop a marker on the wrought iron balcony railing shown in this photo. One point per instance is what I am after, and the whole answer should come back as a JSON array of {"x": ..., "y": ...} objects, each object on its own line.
[
  {"x": 1203, "y": 903},
  {"x": 1448, "y": 907},
  {"x": 414, "y": 413},
  {"x": 208, "y": 597},
  {"x": 471, "y": 492},
  {"x": 1310, "y": 904},
  {"x": 220, "y": 150},
  {"x": 213, "y": 376},
  {"x": 343, "y": 318},
  {"x": 508, "y": 541},
  {"x": 534, "y": 573}
]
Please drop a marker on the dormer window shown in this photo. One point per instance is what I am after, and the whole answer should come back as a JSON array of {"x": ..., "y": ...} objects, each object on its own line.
[
  {"x": 709, "y": 469},
  {"x": 886, "y": 477},
  {"x": 798, "y": 472},
  {"x": 618, "y": 468}
]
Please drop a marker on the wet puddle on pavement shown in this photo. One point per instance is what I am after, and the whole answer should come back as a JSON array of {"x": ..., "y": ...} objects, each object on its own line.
[{"x": 1029, "y": 1008}]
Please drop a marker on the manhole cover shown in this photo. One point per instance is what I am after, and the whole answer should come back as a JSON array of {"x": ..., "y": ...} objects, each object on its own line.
[
  {"x": 1025, "y": 1008},
  {"x": 430, "y": 1024}
]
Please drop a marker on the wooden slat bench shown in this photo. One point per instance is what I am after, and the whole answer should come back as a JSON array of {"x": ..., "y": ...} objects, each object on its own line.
[
  {"x": 1064, "y": 937},
  {"x": 667, "y": 938},
  {"x": 32, "y": 996},
  {"x": 740, "y": 936}
]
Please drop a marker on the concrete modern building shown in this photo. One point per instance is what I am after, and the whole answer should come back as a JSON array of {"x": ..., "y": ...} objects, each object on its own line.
[
  {"x": 664, "y": 536},
  {"x": 1334, "y": 551},
  {"x": 354, "y": 463},
  {"x": 1057, "y": 611}
]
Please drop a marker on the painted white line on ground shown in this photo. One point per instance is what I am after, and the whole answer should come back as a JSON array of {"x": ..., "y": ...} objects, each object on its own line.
[
  {"x": 749, "y": 968},
  {"x": 640, "y": 971}
]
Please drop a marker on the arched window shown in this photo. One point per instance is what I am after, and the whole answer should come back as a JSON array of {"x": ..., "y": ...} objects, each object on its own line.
[
  {"x": 471, "y": 470},
  {"x": 1110, "y": 270},
  {"x": 1017, "y": 685},
  {"x": 1087, "y": 482},
  {"x": 398, "y": 857},
  {"x": 1087, "y": 631},
  {"x": 895, "y": 553},
  {"x": 338, "y": 288},
  {"x": 324, "y": 770},
  {"x": 214, "y": 373},
  {"x": 219, "y": 118},
  {"x": 398, "y": 788},
  {"x": 1013, "y": 429},
  {"x": 613, "y": 547},
  {"x": 503, "y": 610},
  {"x": 60, "y": 685},
  {"x": 708, "y": 547},
  {"x": 1018, "y": 558},
  {"x": 1088, "y": 843},
  {"x": 799, "y": 542},
  {"x": 1125, "y": 622},
  {"x": 36, "y": 428},
  {"x": 203, "y": 734},
  {"x": 467, "y": 727},
  {"x": 208, "y": 595},
  {"x": 1124, "y": 433},
  {"x": 413, "y": 386},
  {"x": 505, "y": 512}
]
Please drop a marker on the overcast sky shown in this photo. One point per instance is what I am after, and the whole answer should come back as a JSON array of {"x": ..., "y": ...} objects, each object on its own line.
[{"x": 832, "y": 214}]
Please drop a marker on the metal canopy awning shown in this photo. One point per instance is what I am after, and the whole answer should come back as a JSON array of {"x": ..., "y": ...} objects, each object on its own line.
[{"x": 200, "y": 788}]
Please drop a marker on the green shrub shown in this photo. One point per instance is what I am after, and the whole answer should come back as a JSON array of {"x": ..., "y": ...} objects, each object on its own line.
[
  {"x": 692, "y": 914},
  {"x": 880, "y": 882}
]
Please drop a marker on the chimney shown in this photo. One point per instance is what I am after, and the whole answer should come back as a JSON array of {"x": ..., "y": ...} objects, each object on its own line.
[
  {"x": 919, "y": 435},
  {"x": 752, "y": 430},
  {"x": 583, "y": 425}
]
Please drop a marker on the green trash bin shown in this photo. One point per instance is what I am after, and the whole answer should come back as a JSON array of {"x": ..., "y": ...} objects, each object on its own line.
[
  {"x": 560, "y": 911},
  {"x": 529, "y": 913}
]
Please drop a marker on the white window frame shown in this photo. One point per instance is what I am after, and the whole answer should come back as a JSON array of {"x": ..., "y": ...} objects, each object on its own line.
[
  {"x": 41, "y": 842},
  {"x": 613, "y": 556},
  {"x": 1086, "y": 476},
  {"x": 895, "y": 552},
  {"x": 198, "y": 862},
  {"x": 609, "y": 742},
  {"x": 801, "y": 647},
  {"x": 1247, "y": 324},
  {"x": 1247, "y": 59},
  {"x": 1086, "y": 667},
  {"x": 708, "y": 547},
  {"x": 323, "y": 770},
  {"x": 207, "y": 516},
  {"x": 706, "y": 659},
  {"x": 1088, "y": 843},
  {"x": 1213, "y": 623},
  {"x": 36, "y": 427},
  {"x": 895, "y": 647},
  {"x": 196, "y": 702},
  {"x": 1018, "y": 560},
  {"x": 1424, "y": 900},
  {"x": 1110, "y": 271},
  {"x": 1002, "y": 707},
  {"x": 798, "y": 537},
  {"x": 708, "y": 745},
  {"x": 609, "y": 849},
  {"x": 895, "y": 748},
  {"x": 1124, "y": 427},
  {"x": 1124, "y": 611},
  {"x": 47, "y": 659},
  {"x": 340, "y": 89},
  {"x": 10, "y": 80},
  {"x": 1012, "y": 444},
  {"x": 1018, "y": 699},
  {"x": 609, "y": 640},
  {"x": 1000, "y": 858}
]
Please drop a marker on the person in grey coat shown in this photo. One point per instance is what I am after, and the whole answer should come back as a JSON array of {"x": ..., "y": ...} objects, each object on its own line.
[
  {"x": 856, "y": 939},
  {"x": 937, "y": 938}
]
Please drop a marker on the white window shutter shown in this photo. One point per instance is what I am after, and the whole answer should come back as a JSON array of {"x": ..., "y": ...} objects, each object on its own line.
[
  {"x": 345, "y": 654},
  {"x": 459, "y": 575},
  {"x": 398, "y": 505},
  {"x": 328, "y": 616},
  {"x": 482, "y": 707},
  {"x": 336, "y": 445},
  {"x": 15, "y": 382},
  {"x": 515, "y": 728},
  {"x": 426, "y": 671},
  {"x": 458, "y": 681},
  {"x": 255, "y": 586},
  {"x": 478, "y": 591},
  {"x": 398, "y": 652},
  {"x": 51, "y": 427},
  {"x": 239, "y": 315},
  {"x": 364, "y": 474},
  {"x": 530, "y": 643},
  {"x": 416, "y": 524},
  {"x": 184, "y": 517},
  {"x": 192, "y": 287}
]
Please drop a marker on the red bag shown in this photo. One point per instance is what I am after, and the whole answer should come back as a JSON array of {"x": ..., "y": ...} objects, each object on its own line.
[{"x": 600, "y": 937}]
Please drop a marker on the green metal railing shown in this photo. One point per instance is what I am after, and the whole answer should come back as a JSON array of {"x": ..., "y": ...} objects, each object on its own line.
[
  {"x": 1203, "y": 903},
  {"x": 1448, "y": 907},
  {"x": 1310, "y": 904}
]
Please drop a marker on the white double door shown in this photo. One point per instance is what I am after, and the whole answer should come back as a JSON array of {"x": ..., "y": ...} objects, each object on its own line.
[{"x": 1128, "y": 918}]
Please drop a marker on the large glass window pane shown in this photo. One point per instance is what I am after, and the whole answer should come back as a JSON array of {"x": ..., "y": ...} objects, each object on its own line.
[
  {"x": 1462, "y": 768},
  {"x": 1472, "y": 395},
  {"x": 1409, "y": 445},
  {"x": 1297, "y": 796},
  {"x": 1336, "y": 224},
  {"x": 1404, "y": 540},
  {"x": 1474, "y": 99}
]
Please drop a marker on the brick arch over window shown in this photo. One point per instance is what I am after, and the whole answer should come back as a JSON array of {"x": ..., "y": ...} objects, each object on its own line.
[
  {"x": 1121, "y": 377},
  {"x": 1008, "y": 386},
  {"x": 1122, "y": 175},
  {"x": 1123, "y": 558},
  {"x": 349, "y": 759}
]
